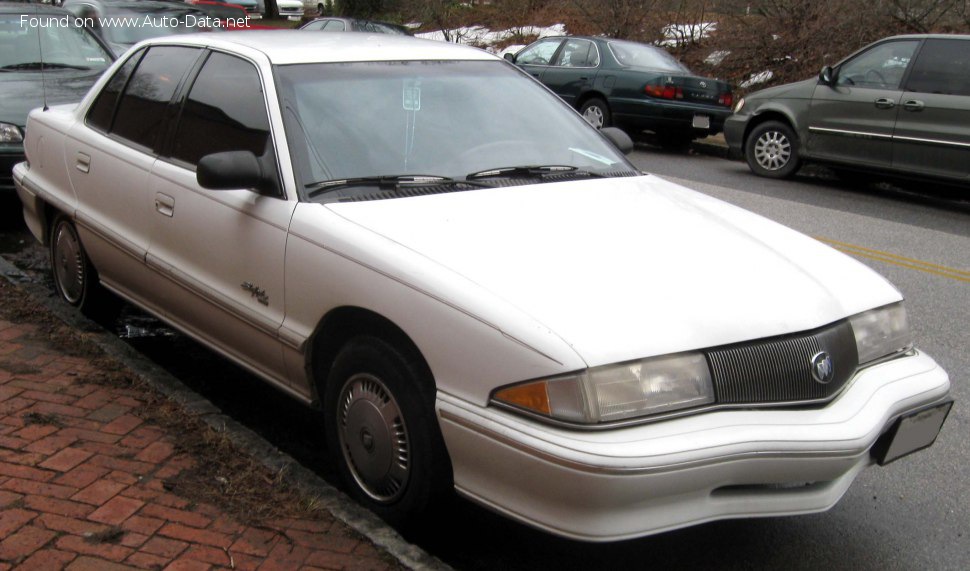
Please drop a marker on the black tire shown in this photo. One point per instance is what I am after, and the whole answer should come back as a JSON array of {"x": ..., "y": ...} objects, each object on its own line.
[
  {"x": 382, "y": 433},
  {"x": 596, "y": 112},
  {"x": 76, "y": 281},
  {"x": 320, "y": 8},
  {"x": 772, "y": 150}
]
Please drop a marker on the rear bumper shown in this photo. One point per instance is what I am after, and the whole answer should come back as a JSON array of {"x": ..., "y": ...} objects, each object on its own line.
[
  {"x": 654, "y": 114},
  {"x": 630, "y": 482}
]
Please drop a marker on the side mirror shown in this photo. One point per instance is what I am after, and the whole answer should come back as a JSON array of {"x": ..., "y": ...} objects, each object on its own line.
[
  {"x": 620, "y": 140},
  {"x": 509, "y": 57},
  {"x": 826, "y": 76},
  {"x": 230, "y": 170}
]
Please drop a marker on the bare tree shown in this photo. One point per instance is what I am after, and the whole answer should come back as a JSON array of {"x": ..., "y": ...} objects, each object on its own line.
[{"x": 618, "y": 18}]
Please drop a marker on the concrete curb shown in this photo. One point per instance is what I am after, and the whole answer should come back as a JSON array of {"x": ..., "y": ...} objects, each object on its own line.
[{"x": 340, "y": 506}]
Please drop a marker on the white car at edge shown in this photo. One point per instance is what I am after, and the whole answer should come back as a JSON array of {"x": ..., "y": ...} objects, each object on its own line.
[{"x": 476, "y": 287}]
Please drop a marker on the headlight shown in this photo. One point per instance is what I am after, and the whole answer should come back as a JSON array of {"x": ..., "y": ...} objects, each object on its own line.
[
  {"x": 10, "y": 134},
  {"x": 617, "y": 392},
  {"x": 881, "y": 332},
  {"x": 739, "y": 105}
]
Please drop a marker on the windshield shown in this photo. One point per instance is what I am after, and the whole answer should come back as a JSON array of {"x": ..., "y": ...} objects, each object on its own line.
[
  {"x": 430, "y": 118},
  {"x": 641, "y": 55},
  {"x": 64, "y": 46},
  {"x": 131, "y": 27}
]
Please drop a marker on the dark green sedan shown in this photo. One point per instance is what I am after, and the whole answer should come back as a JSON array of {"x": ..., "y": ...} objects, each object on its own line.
[{"x": 636, "y": 87}]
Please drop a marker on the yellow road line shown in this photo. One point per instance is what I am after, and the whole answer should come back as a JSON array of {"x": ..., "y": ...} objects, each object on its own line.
[{"x": 897, "y": 260}]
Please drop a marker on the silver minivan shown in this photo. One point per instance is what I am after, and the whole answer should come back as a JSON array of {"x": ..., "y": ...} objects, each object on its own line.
[{"x": 900, "y": 106}]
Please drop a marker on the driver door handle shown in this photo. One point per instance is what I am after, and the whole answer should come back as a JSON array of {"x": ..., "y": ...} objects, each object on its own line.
[
  {"x": 914, "y": 105},
  {"x": 884, "y": 103}
]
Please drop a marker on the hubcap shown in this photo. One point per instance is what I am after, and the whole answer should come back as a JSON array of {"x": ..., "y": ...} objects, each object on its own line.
[
  {"x": 772, "y": 150},
  {"x": 373, "y": 438},
  {"x": 594, "y": 116},
  {"x": 68, "y": 264}
]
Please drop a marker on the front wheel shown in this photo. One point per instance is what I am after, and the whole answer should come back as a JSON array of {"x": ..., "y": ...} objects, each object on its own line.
[
  {"x": 772, "y": 150},
  {"x": 596, "y": 113},
  {"x": 382, "y": 432}
]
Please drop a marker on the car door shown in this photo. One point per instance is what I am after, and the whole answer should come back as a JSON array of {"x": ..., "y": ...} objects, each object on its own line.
[
  {"x": 221, "y": 252},
  {"x": 933, "y": 126},
  {"x": 852, "y": 119},
  {"x": 112, "y": 153},
  {"x": 574, "y": 69},
  {"x": 536, "y": 58}
]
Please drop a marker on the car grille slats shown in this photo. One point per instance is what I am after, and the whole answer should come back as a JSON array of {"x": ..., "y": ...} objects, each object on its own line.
[{"x": 779, "y": 370}]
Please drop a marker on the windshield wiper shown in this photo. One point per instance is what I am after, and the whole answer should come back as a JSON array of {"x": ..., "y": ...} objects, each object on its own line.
[
  {"x": 384, "y": 182},
  {"x": 42, "y": 65},
  {"x": 530, "y": 171}
]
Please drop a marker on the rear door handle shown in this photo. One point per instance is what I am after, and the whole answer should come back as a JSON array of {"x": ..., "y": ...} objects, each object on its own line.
[
  {"x": 83, "y": 163},
  {"x": 165, "y": 204},
  {"x": 883, "y": 103},
  {"x": 914, "y": 105}
]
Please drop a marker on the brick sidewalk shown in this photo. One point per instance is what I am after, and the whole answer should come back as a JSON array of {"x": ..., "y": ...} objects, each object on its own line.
[{"x": 85, "y": 479}]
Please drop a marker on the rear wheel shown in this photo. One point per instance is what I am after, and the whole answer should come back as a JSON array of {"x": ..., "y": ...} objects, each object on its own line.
[
  {"x": 75, "y": 279},
  {"x": 382, "y": 432},
  {"x": 772, "y": 150},
  {"x": 596, "y": 113}
]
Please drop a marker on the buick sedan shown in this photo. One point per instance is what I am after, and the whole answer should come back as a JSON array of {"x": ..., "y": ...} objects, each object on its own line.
[{"x": 475, "y": 286}]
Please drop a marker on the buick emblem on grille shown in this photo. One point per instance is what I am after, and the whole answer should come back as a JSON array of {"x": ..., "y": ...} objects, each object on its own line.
[{"x": 823, "y": 371}]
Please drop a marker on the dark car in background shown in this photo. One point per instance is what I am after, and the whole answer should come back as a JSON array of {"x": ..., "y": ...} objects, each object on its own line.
[
  {"x": 41, "y": 61},
  {"x": 354, "y": 25},
  {"x": 899, "y": 106},
  {"x": 634, "y": 86},
  {"x": 124, "y": 23}
]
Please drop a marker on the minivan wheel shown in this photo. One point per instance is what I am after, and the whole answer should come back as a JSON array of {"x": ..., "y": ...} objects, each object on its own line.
[
  {"x": 772, "y": 150},
  {"x": 382, "y": 432}
]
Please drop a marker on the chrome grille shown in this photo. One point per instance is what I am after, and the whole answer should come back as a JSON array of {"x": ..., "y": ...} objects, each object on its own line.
[{"x": 779, "y": 370}]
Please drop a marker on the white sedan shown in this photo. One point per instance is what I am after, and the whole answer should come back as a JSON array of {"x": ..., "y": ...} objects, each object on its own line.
[{"x": 477, "y": 288}]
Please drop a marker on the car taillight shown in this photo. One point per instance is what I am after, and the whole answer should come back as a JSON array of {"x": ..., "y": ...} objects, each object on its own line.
[
  {"x": 664, "y": 91},
  {"x": 725, "y": 99}
]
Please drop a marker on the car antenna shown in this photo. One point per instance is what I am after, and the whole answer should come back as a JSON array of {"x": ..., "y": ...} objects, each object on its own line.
[{"x": 43, "y": 72}]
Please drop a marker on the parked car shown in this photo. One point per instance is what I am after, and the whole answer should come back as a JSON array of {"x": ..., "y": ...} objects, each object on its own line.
[
  {"x": 475, "y": 286},
  {"x": 123, "y": 23},
  {"x": 634, "y": 86},
  {"x": 40, "y": 65},
  {"x": 899, "y": 106},
  {"x": 355, "y": 25},
  {"x": 290, "y": 9},
  {"x": 229, "y": 16}
]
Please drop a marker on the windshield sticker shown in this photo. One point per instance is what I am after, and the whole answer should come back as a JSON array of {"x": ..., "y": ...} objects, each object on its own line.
[
  {"x": 592, "y": 155},
  {"x": 412, "y": 95}
]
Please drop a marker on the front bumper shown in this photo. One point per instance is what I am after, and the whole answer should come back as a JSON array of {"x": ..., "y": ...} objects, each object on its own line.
[
  {"x": 7, "y": 160},
  {"x": 734, "y": 128},
  {"x": 630, "y": 482}
]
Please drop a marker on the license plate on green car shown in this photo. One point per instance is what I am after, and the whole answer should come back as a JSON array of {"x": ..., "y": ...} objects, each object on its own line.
[{"x": 701, "y": 122}]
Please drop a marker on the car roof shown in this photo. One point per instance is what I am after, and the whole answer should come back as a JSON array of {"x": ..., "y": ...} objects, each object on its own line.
[
  {"x": 296, "y": 46},
  {"x": 30, "y": 8}
]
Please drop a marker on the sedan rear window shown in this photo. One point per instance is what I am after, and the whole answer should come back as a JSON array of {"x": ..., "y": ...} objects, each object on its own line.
[{"x": 640, "y": 55}]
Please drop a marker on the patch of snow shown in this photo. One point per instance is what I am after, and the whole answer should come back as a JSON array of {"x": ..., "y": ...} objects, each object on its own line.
[
  {"x": 757, "y": 78},
  {"x": 680, "y": 34},
  {"x": 482, "y": 36},
  {"x": 716, "y": 57}
]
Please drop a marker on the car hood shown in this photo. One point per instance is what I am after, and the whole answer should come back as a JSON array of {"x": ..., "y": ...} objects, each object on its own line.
[
  {"x": 629, "y": 267},
  {"x": 21, "y": 92},
  {"x": 798, "y": 90}
]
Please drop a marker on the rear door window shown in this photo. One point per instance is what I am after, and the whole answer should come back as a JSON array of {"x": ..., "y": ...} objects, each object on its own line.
[
  {"x": 943, "y": 66},
  {"x": 143, "y": 106}
]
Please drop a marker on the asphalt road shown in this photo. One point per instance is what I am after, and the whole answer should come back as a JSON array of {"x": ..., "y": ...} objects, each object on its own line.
[{"x": 914, "y": 514}]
